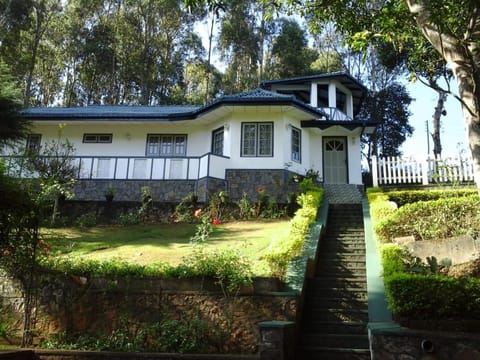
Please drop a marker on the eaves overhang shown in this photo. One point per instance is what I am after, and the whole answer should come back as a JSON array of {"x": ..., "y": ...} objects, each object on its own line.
[{"x": 367, "y": 127}]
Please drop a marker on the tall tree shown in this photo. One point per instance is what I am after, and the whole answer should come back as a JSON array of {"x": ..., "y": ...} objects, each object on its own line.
[
  {"x": 25, "y": 45},
  {"x": 12, "y": 126},
  {"x": 389, "y": 109},
  {"x": 290, "y": 52},
  {"x": 239, "y": 46}
]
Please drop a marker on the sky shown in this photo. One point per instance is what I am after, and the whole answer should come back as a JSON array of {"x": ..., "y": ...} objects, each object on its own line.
[{"x": 452, "y": 130}]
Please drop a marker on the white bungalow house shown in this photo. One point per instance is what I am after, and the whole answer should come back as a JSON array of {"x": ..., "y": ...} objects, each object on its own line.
[{"x": 235, "y": 143}]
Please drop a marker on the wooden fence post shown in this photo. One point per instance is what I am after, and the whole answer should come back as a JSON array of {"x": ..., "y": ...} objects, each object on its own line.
[
  {"x": 374, "y": 171},
  {"x": 425, "y": 171}
]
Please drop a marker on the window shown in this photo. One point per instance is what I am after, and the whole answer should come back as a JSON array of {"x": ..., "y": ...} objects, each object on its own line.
[
  {"x": 33, "y": 143},
  {"x": 296, "y": 145},
  {"x": 166, "y": 145},
  {"x": 217, "y": 141},
  {"x": 257, "y": 139},
  {"x": 334, "y": 145},
  {"x": 97, "y": 138}
]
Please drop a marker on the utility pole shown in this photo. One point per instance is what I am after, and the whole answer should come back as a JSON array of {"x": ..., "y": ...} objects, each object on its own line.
[{"x": 428, "y": 138}]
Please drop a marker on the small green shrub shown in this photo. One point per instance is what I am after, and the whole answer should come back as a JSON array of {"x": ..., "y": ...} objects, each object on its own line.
[
  {"x": 428, "y": 296},
  {"x": 245, "y": 207},
  {"x": 203, "y": 230},
  {"x": 87, "y": 220},
  {"x": 185, "y": 209},
  {"x": 188, "y": 334},
  {"x": 393, "y": 259},
  {"x": 130, "y": 218},
  {"x": 230, "y": 269}
]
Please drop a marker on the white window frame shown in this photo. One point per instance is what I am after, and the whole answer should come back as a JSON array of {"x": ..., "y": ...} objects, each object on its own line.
[
  {"x": 218, "y": 141},
  {"x": 97, "y": 138},
  {"x": 257, "y": 144},
  {"x": 166, "y": 145},
  {"x": 296, "y": 144},
  {"x": 33, "y": 143}
]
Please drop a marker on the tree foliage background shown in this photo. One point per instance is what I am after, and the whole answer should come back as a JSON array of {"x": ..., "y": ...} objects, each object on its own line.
[{"x": 150, "y": 52}]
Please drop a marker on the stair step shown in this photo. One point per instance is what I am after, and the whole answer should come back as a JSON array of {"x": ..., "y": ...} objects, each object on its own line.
[
  {"x": 337, "y": 303},
  {"x": 339, "y": 315},
  {"x": 323, "y": 255},
  {"x": 359, "y": 282},
  {"x": 335, "y": 327},
  {"x": 335, "y": 293},
  {"x": 343, "y": 239},
  {"x": 339, "y": 271},
  {"x": 356, "y": 341},
  {"x": 344, "y": 262}
]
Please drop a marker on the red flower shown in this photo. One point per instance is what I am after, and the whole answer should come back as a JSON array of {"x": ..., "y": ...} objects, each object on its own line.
[
  {"x": 260, "y": 189},
  {"x": 197, "y": 213},
  {"x": 6, "y": 252},
  {"x": 216, "y": 221}
]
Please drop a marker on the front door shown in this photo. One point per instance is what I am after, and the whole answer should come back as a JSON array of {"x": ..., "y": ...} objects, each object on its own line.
[{"x": 335, "y": 160}]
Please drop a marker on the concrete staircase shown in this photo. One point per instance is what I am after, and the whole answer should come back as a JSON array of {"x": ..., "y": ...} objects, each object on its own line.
[{"x": 335, "y": 316}]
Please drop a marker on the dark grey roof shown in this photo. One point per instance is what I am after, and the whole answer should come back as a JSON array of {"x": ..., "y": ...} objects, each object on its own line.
[
  {"x": 167, "y": 112},
  {"x": 344, "y": 77},
  {"x": 258, "y": 93},
  {"x": 110, "y": 112}
]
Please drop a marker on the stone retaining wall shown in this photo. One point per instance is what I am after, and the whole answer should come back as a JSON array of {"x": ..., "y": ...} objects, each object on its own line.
[
  {"x": 98, "y": 306},
  {"x": 404, "y": 344},
  {"x": 105, "y": 355}
]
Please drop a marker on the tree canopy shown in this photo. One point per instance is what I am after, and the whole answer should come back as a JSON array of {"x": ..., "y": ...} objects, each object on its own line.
[{"x": 12, "y": 126}]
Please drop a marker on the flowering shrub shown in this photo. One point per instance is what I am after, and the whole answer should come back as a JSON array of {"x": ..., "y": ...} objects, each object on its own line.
[{"x": 202, "y": 233}]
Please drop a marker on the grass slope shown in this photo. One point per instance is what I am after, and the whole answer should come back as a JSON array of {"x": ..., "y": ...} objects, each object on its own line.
[{"x": 144, "y": 244}]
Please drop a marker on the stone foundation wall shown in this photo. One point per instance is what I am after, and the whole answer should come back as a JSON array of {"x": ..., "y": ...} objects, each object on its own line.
[
  {"x": 90, "y": 194},
  {"x": 97, "y": 306},
  {"x": 277, "y": 183},
  {"x": 404, "y": 344},
  {"x": 130, "y": 190}
]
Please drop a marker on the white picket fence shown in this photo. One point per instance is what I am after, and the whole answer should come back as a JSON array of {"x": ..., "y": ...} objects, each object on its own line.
[{"x": 397, "y": 170}]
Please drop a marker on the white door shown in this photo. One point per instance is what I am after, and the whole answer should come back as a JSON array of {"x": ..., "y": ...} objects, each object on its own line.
[{"x": 335, "y": 160}]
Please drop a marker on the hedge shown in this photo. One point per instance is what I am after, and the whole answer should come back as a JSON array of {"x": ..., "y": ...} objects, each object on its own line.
[
  {"x": 401, "y": 197},
  {"x": 429, "y": 220},
  {"x": 427, "y": 296}
]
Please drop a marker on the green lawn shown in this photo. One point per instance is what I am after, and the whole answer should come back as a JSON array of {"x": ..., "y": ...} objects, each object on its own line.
[{"x": 144, "y": 244}]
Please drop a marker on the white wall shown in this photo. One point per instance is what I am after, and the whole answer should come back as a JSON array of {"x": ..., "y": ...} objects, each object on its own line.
[{"x": 130, "y": 140}]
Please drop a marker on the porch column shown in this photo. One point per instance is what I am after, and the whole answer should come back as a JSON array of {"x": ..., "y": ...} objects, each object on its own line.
[
  {"x": 349, "y": 105},
  {"x": 332, "y": 95},
  {"x": 314, "y": 95}
]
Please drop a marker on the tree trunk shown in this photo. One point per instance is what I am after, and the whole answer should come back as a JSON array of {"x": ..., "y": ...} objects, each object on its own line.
[
  {"x": 463, "y": 56},
  {"x": 437, "y": 144}
]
